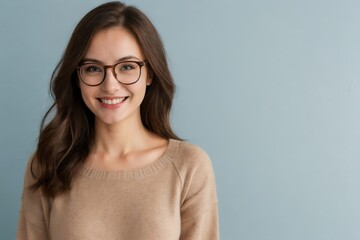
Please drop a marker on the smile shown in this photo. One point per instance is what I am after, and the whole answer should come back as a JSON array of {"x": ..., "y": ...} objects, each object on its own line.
[{"x": 113, "y": 101}]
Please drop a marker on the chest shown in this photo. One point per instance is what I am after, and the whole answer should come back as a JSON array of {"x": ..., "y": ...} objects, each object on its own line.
[{"x": 143, "y": 209}]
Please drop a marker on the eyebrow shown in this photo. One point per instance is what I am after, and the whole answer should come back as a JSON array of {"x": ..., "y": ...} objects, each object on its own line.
[{"x": 118, "y": 60}]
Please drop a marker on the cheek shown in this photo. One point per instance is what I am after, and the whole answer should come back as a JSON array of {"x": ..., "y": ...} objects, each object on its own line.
[
  {"x": 86, "y": 95},
  {"x": 140, "y": 91}
]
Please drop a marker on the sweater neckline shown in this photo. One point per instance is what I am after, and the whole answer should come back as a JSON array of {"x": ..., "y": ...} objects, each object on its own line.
[{"x": 150, "y": 169}]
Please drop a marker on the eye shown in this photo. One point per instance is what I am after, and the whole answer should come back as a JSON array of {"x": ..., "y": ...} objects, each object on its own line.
[
  {"x": 127, "y": 66},
  {"x": 92, "y": 69}
]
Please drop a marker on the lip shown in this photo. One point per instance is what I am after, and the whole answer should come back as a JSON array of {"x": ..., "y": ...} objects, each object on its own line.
[{"x": 111, "y": 106}]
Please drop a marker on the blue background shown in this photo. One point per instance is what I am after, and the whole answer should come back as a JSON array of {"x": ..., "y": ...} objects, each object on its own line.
[{"x": 269, "y": 88}]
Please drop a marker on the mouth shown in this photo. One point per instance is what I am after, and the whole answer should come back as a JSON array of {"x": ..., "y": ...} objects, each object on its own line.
[{"x": 112, "y": 101}]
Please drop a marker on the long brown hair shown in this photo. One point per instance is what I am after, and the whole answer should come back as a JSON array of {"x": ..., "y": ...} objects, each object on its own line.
[{"x": 66, "y": 139}]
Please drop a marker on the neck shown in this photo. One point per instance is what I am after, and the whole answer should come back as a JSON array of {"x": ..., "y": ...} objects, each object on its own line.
[{"x": 121, "y": 138}]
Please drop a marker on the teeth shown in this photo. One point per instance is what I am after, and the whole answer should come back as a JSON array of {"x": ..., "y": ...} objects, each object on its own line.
[{"x": 112, "y": 101}]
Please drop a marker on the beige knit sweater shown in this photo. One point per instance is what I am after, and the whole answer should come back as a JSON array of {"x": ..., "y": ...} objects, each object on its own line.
[{"x": 172, "y": 198}]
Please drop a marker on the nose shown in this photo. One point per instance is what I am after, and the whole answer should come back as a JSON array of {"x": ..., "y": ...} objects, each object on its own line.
[{"x": 110, "y": 84}]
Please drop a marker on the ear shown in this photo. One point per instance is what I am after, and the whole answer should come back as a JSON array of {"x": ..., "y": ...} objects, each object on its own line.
[
  {"x": 148, "y": 81},
  {"x": 149, "y": 77}
]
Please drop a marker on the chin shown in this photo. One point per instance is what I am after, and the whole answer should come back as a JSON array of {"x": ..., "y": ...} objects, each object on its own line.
[
  {"x": 113, "y": 120},
  {"x": 109, "y": 121}
]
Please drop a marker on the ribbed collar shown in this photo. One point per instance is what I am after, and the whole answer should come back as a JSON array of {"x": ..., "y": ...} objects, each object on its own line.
[{"x": 129, "y": 175}]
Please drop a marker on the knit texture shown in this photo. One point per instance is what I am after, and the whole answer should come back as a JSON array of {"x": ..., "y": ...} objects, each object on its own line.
[{"x": 171, "y": 198}]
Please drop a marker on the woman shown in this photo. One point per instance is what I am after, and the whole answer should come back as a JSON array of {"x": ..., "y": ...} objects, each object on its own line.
[{"x": 107, "y": 164}]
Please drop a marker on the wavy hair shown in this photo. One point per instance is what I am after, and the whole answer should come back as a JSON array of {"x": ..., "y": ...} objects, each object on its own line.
[{"x": 67, "y": 129}]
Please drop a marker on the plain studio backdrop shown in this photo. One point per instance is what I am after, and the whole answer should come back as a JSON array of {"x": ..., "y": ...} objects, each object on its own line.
[{"x": 269, "y": 88}]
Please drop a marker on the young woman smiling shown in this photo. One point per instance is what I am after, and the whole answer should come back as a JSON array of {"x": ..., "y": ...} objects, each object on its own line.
[{"x": 107, "y": 164}]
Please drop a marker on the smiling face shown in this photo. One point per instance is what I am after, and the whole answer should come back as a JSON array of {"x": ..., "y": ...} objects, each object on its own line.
[{"x": 113, "y": 102}]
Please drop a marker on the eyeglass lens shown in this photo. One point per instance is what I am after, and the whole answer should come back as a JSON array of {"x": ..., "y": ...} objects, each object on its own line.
[{"x": 125, "y": 72}]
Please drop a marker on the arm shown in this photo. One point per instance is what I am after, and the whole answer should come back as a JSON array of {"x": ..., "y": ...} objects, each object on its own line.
[
  {"x": 32, "y": 224},
  {"x": 199, "y": 211},
  {"x": 204, "y": 227}
]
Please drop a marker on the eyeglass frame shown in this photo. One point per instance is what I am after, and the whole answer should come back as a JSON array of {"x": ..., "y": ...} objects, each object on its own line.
[{"x": 112, "y": 67}]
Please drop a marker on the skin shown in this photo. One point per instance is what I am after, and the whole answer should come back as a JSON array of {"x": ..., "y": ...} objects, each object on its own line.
[{"x": 121, "y": 140}]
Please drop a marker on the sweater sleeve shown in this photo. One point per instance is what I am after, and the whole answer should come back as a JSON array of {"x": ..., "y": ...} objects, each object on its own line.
[
  {"x": 199, "y": 209},
  {"x": 31, "y": 225}
]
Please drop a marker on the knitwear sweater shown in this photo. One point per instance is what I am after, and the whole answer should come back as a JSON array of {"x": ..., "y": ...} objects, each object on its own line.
[{"x": 172, "y": 198}]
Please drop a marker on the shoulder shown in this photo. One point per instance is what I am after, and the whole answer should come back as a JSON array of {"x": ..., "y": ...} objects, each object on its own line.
[
  {"x": 190, "y": 154},
  {"x": 189, "y": 158},
  {"x": 196, "y": 175}
]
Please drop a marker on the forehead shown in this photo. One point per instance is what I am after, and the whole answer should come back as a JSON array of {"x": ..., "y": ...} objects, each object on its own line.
[{"x": 113, "y": 43}]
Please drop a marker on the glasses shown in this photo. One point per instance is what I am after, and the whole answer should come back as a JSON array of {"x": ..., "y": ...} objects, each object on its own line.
[{"x": 127, "y": 73}]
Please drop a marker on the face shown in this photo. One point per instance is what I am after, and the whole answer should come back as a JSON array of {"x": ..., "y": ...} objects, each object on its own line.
[{"x": 112, "y": 102}]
